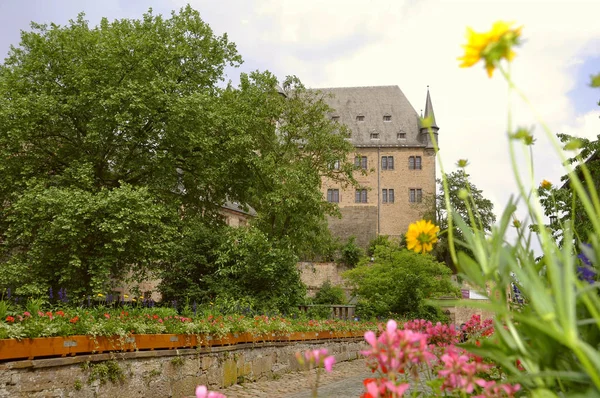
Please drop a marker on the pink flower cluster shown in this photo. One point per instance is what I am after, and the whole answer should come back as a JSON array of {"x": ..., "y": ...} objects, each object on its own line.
[
  {"x": 316, "y": 358},
  {"x": 439, "y": 334},
  {"x": 422, "y": 345},
  {"x": 392, "y": 353},
  {"x": 460, "y": 371},
  {"x": 475, "y": 328}
]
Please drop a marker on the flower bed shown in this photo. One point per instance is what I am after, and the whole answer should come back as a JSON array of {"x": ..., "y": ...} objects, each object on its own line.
[{"x": 99, "y": 330}]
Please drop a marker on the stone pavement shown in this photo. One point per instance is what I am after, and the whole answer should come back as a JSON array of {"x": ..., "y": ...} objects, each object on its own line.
[{"x": 344, "y": 381}]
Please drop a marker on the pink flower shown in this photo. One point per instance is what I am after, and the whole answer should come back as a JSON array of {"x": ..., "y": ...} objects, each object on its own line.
[
  {"x": 459, "y": 371},
  {"x": 316, "y": 358},
  {"x": 202, "y": 392},
  {"x": 379, "y": 387},
  {"x": 371, "y": 338},
  {"x": 107, "y": 316},
  {"x": 328, "y": 362},
  {"x": 27, "y": 314}
]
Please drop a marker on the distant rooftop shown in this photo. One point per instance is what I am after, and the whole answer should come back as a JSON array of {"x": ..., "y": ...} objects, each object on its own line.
[{"x": 376, "y": 115}]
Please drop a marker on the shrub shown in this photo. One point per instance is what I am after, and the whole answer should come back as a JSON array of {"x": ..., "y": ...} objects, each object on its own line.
[
  {"x": 329, "y": 294},
  {"x": 399, "y": 282},
  {"x": 351, "y": 253}
]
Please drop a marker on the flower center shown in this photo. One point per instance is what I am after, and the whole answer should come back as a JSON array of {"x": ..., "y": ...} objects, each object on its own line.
[{"x": 423, "y": 238}]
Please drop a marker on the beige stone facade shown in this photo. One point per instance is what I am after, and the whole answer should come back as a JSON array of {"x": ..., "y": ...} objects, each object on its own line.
[{"x": 400, "y": 158}]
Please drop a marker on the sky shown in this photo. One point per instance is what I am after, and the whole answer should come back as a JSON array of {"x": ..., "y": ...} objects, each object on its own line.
[{"x": 412, "y": 44}]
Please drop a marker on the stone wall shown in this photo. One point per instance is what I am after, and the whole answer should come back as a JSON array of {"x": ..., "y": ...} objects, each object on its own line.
[
  {"x": 459, "y": 315},
  {"x": 314, "y": 274},
  {"x": 159, "y": 374},
  {"x": 357, "y": 221}
]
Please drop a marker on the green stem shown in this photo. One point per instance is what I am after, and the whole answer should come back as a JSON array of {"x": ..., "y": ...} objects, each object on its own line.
[{"x": 436, "y": 149}]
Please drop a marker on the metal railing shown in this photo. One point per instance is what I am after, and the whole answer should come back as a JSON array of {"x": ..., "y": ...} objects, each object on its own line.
[{"x": 344, "y": 312}]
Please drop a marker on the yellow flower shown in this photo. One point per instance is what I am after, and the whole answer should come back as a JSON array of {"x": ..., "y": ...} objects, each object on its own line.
[
  {"x": 421, "y": 236},
  {"x": 100, "y": 295},
  {"x": 546, "y": 184},
  {"x": 491, "y": 47},
  {"x": 125, "y": 296}
]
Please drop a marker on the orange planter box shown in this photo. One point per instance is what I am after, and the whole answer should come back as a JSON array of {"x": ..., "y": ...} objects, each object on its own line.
[
  {"x": 12, "y": 349},
  {"x": 45, "y": 346},
  {"x": 164, "y": 341}
]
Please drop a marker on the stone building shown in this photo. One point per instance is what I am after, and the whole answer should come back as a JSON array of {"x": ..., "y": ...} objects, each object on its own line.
[{"x": 395, "y": 151}]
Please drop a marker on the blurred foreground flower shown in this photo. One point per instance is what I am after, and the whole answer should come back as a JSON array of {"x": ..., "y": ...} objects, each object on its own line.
[
  {"x": 491, "y": 47},
  {"x": 316, "y": 358},
  {"x": 421, "y": 236},
  {"x": 202, "y": 392}
]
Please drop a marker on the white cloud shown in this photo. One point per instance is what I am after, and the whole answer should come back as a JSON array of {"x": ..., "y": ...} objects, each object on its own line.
[{"x": 414, "y": 43}]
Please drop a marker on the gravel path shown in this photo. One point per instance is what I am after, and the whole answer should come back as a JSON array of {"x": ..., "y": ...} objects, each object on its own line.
[{"x": 344, "y": 381}]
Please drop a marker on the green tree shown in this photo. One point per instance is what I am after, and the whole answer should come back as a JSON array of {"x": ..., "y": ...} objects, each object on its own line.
[
  {"x": 464, "y": 195},
  {"x": 399, "y": 282},
  {"x": 560, "y": 201},
  {"x": 122, "y": 138},
  {"x": 250, "y": 265}
]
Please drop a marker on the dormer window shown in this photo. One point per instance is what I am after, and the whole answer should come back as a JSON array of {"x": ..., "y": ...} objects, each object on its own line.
[
  {"x": 401, "y": 136},
  {"x": 374, "y": 136},
  {"x": 387, "y": 118},
  {"x": 360, "y": 118},
  {"x": 335, "y": 118}
]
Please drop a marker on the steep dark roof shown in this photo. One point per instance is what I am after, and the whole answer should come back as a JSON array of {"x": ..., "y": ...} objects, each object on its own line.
[
  {"x": 373, "y": 103},
  {"x": 429, "y": 110}
]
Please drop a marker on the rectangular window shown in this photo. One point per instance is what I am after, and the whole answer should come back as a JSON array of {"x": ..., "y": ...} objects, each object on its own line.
[
  {"x": 387, "y": 163},
  {"x": 335, "y": 165},
  {"x": 401, "y": 136},
  {"x": 333, "y": 195},
  {"x": 360, "y": 196},
  {"x": 415, "y": 196},
  {"x": 414, "y": 163},
  {"x": 360, "y": 118},
  {"x": 374, "y": 136},
  {"x": 387, "y": 196},
  {"x": 387, "y": 118},
  {"x": 361, "y": 161}
]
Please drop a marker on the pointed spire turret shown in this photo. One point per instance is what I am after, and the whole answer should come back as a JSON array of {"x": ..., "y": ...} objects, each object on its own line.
[
  {"x": 429, "y": 110},
  {"x": 424, "y": 135}
]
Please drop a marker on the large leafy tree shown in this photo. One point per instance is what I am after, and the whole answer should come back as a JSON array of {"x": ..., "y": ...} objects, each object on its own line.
[
  {"x": 116, "y": 140},
  {"x": 464, "y": 195}
]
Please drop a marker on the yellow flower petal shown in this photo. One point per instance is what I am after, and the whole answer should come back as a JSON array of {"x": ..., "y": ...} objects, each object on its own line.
[
  {"x": 491, "y": 47},
  {"x": 421, "y": 236}
]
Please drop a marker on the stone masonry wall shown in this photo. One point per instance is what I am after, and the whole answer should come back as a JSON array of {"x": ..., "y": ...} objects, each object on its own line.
[
  {"x": 160, "y": 374},
  {"x": 314, "y": 274},
  {"x": 460, "y": 315}
]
